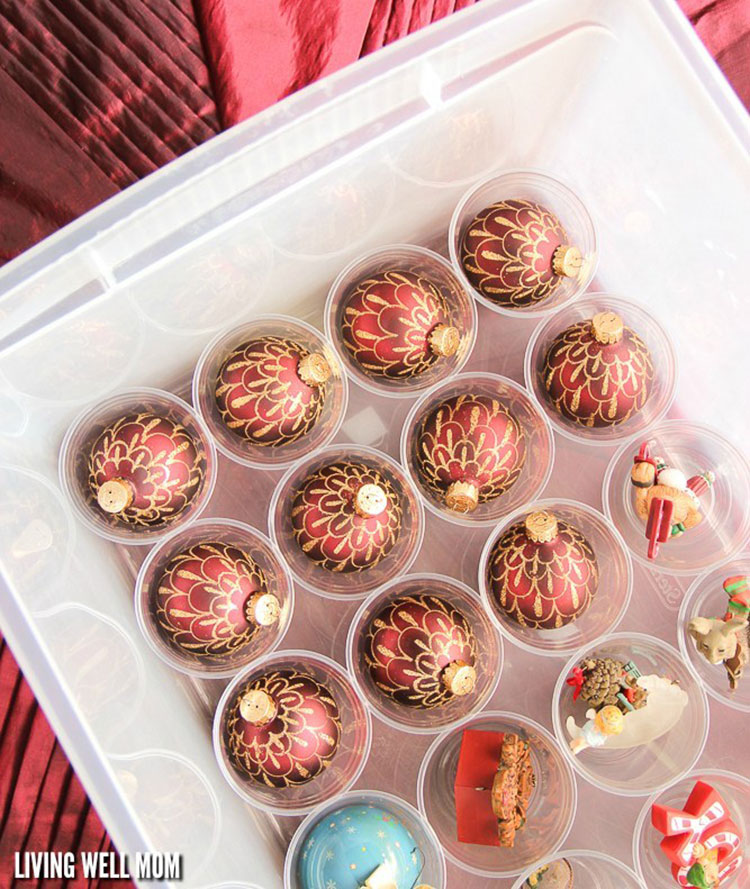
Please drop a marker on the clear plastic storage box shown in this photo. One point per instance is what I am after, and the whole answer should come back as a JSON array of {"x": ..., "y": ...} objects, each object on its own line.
[{"x": 616, "y": 99}]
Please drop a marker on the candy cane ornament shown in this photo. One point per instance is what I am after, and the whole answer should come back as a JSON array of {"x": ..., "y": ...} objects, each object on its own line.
[{"x": 703, "y": 831}]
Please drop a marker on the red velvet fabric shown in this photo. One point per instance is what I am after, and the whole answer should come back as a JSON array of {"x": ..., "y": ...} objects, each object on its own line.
[{"x": 95, "y": 94}]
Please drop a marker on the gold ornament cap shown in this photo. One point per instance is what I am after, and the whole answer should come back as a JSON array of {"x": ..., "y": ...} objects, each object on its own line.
[
  {"x": 462, "y": 497},
  {"x": 567, "y": 261},
  {"x": 314, "y": 370},
  {"x": 460, "y": 678},
  {"x": 370, "y": 500},
  {"x": 257, "y": 707},
  {"x": 445, "y": 340},
  {"x": 541, "y": 527},
  {"x": 115, "y": 495},
  {"x": 607, "y": 328},
  {"x": 263, "y": 609}
]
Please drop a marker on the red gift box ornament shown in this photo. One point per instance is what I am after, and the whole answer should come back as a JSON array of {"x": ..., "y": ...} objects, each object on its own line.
[
  {"x": 492, "y": 789},
  {"x": 598, "y": 372},
  {"x": 542, "y": 572},
  {"x": 469, "y": 450},
  {"x": 516, "y": 252},
  {"x": 346, "y": 517},
  {"x": 664, "y": 499},
  {"x": 282, "y": 729},
  {"x": 212, "y": 600},
  {"x": 421, "y": 651},
  {"x": 702, "y": 841},
  {"x": 397, "y": 324},
  {"x": 726, "y": 640},
  {"x": 271, "y": 391},
  {"x": 145, "y": 469}
]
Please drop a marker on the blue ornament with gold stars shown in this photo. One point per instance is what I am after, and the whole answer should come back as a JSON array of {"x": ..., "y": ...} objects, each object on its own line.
[{"x": 360, "y": 847}]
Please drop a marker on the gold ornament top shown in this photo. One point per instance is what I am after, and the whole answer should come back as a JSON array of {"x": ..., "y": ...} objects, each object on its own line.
[
  {"x": 258, "y": 707},
  {"x": 462, "y": 497},
  {"x": 263, "y": 609},
  {"x": 370, "y": 500},
  {"x": 445, "y": 340},
  {"x": 607, "y": 327},
  {"x": 460, "y": 678},
  {"x": 114, "y": 496},
  {"x": 567, "y": 261},
  {"x": 541, "y": 527},
  {"x": 314, "y": 370}
]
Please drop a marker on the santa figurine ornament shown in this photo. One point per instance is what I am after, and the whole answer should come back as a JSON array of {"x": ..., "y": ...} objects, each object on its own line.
[
  {"x": 469, "y": 450},
  {"x": 664, "y": 499},
  {"x": 144, "y": 469},
  {"x": 515, "y": 253},
  {"x": 421, "y": 651},
  {"x": 346, "y": 517},
  {"x": 542, "y": 573},
  {"x": 212, "y": 601},
  {"x": 397, "y": 324},
  {"x": 598, "y": 373},
  {"x": 281, "y": 729},
  {"x": 270, "y": 391}
]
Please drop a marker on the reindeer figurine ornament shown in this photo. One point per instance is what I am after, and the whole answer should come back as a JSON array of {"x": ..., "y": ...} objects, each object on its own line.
[{"x": 727, "y": 639}]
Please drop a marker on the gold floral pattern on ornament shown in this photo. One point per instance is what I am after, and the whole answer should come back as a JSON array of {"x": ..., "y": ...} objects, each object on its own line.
[
  {"x": 158, "y": 458},
  {"x": 328, "y": 527},
  {"x": 202, "y": 597},
  {"x": 298, "y": 743}
]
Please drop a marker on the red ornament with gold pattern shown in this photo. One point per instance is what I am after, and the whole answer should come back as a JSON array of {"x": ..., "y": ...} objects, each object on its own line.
[
  {"x": 515, "y": 253},
  {"x": 282, "y": 729},
  {"x": 270, "y": 391},
  {"x": 346, "y": 517},
  {"x": 396, "y": 324},
  {"x": 421, "y": 651},
  {"x": 598, "y": 372},
  {"x": 212, "y": 600},
  {"x": 470, "y": 449},
  {"x": 542, "y": 572},
  {"x": 145, "y": 469}
]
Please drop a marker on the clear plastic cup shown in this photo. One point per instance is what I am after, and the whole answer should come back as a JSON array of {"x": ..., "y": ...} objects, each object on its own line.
[
  {"x": 649, "y": 767},
  {"x": 537, "y": 436},
  {"x": 706, "y": 598},
  {"x": 88, "y": 426},
  {"x": 236, "y": 446},
  {"x": 588, "y": 869},
  {"x": 488, "y": 663},
  {"x": 651, "y": 332},
  {"x": 551, "y": 809},
  {"x": 432, "y": 873},
  {"x": 692, "y": 448},
  {"x": 615, "y": 584},
  {"x": 460, "y": 314},
  {"x": 347, "y": 584},
  {"x": 653, "y": 867},
  {"x": 343, "y": 768},
  {"x": 552, "y": 195},
  {"x": 278, "y": 584}
]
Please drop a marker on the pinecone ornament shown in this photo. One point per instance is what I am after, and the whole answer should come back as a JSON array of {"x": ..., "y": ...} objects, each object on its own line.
[{"x": 609, "y": 682}]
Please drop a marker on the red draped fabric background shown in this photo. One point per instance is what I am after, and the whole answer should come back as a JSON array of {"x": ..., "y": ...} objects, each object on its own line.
[{"x": 95, "y": 94}]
